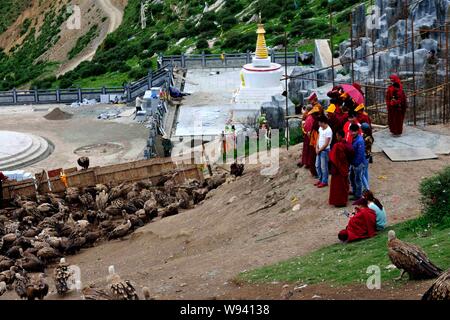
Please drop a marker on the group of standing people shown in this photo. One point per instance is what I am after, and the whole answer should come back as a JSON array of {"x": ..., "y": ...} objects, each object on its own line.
[{"x": 338, "y": 142}]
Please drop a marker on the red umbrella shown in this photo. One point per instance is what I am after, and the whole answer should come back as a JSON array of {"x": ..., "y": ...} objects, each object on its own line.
[{"x": 353, "y": 92}]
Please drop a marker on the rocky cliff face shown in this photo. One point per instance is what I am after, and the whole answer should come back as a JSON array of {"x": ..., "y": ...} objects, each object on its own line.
[
  {"x": 393, "y": 39},
  {"x": 393, "y": 43}
]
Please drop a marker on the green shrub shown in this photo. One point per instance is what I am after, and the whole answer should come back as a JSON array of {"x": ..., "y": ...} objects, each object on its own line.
[
  {"x": 229, "y": 22},
  {"x": 435, "y": 196},
  {"x": 202, "y": 44},
  {"x": 306, "y": 13},
  {"x": 137, "y": 73},
  {"x": 147, "y": 64},
  {"x": 158, "y": 46}
]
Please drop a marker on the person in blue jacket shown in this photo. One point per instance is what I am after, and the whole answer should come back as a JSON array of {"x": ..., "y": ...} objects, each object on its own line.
[{"x": 359, "y": 162}]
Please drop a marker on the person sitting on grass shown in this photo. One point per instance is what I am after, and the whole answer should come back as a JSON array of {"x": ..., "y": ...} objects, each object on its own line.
[
  {"x": 376, "y": 206},
  {"x": 361, "y": 223}
]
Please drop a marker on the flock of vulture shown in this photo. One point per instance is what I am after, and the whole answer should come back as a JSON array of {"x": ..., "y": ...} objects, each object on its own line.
[
  {"x": 37, "y": 233},
  {"x": 411, "y": 259}
]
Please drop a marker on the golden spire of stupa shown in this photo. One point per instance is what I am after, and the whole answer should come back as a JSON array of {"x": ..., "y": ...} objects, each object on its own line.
[{"x": 261, "y": 48}]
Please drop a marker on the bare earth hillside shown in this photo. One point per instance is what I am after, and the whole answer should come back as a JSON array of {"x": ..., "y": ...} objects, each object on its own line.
[
  {"x": 197, "y": 253},
  {"x": 107, "y": 14}
]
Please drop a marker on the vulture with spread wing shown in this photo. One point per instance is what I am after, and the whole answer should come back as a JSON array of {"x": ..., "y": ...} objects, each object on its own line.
[
  {"x": 411, "y": 259},
  {"x": 440, "y": 289},
  {"x": 83, "y": 162}
]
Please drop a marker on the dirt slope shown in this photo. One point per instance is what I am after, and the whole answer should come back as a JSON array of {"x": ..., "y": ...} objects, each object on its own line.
[
  {"x": 111, "y": 9},
  {"x": 196, "y": 253},
  {"x": 107, "y": 14}
]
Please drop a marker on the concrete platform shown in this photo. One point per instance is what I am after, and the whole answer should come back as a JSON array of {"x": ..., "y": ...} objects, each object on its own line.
[
  {"x": 209, "y": 120},
  {"x": 413, "y": 144},
  {"x": 19, "y": 150},
  {"x": 409, "y": 154}
]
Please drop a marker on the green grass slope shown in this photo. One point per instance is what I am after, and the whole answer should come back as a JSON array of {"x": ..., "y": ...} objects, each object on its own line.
[
  {"x": 176, "y": 26},
  {"x": 347, "y": 263}
]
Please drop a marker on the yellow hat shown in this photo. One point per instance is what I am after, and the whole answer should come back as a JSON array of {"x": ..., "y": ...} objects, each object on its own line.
[
  {"x": 315, "y": 109},
  {"x": 360, "y": 107},
  {"x": 331, "y": 108},
  {"x": 344, "y": 96}
]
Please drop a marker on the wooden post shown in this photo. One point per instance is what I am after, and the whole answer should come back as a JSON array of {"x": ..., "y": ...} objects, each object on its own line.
[
  {"x": 103, "y": 90},
  {"x": 58, "y": 95},
  {"x": 272, "y": 55},
  {"x": 203, "y": 59},
  {"x": 297, "y": 57},
  {"x": 248, "y": 56},
  {"x": 225, "y": 59},
  {"x": 80, "y": 95}
]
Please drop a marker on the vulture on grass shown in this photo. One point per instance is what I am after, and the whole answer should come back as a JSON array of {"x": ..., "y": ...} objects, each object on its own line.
[
  {"x": 410, "y": 259},
  {"x": 440, "y": 289}
]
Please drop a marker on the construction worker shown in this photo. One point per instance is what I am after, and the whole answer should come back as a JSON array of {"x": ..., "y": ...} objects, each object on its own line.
[{"x": 2, "y": 178}]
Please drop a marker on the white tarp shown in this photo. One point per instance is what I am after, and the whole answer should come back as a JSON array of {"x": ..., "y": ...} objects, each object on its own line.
[{"x": 18, "y": 175}]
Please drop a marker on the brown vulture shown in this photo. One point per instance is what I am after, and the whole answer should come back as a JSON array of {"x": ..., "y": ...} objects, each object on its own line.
[
  {"x": 83, "y": 162},
  {"x": 440, "y": 289},
  {"x": 237, "y": 169},
  {"x": 61, "y": 275},
  {"x": 410, "y": 259},
  {"x": 120, "y": 289}
]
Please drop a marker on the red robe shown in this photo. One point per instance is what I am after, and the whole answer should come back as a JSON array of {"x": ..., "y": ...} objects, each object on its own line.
[
  {"x": 340, "y": 157},
  {"x": 361, "y": 226},
  {"x": 364, "y": 117},
  {"x": 306, "y": 153},
  {"x": 312, "y": 149},
  {"x": 348, "y": 135},
  {"x": 396, "y": 106},
  {"x": 343, "y": 118}
]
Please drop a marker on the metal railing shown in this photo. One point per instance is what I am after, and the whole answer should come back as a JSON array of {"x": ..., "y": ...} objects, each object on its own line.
[
  {"x": 71, "y": 95},
  {"x": 225, "y": 60}
]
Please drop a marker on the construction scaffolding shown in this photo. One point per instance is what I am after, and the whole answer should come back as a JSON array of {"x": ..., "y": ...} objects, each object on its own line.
[{"x": 428, "y": 92}]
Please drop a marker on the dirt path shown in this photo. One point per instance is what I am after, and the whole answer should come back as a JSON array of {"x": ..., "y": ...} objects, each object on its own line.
[
  {"x": 196, "y": 254},
  {"x": 115, "y": 16}
]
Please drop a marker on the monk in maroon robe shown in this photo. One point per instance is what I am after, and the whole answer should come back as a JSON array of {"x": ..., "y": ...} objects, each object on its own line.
[
  {"x": 396, "y": 105},
  {"x": 361, "y": 225},
  {"x": 307, "y": 155},
  {"x": 340, "y": 158}
]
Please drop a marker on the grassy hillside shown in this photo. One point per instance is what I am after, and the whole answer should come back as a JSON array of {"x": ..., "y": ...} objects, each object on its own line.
[
  {"x": 21, "y": 65},
  {"x": 10, "y": 11},
  {"x": 176, "y": 26}
]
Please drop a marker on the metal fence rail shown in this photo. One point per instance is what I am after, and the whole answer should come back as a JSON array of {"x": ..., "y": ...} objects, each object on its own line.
[
  {"x": 71, "y": 95},
  {"x": 225, "y": 60}
]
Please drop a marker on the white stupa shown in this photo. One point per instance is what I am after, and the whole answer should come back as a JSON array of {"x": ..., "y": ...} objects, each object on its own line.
[{"x": 260, "y": 80}]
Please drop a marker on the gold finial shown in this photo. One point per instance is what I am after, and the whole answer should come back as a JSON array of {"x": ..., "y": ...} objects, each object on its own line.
[{"x": 261, "y": 48}]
